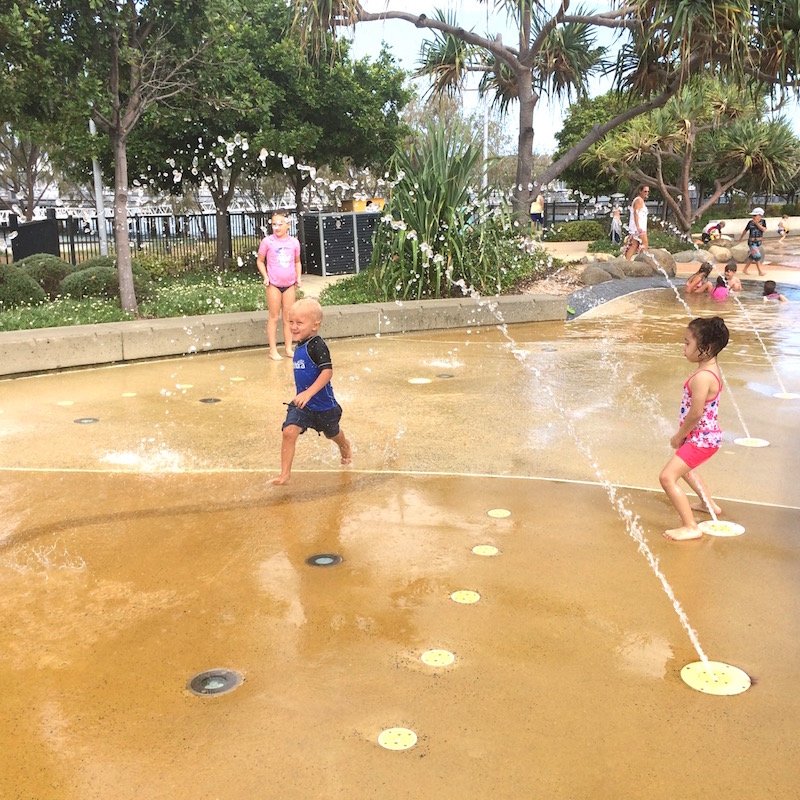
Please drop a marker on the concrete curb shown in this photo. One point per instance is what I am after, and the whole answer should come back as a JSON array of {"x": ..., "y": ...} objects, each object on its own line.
[{"x": 45, "y": 349}]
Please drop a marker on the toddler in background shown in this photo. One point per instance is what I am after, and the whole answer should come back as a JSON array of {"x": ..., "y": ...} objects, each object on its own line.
[
  {"x": 721, "y": 291},
  {"x": 771, "y": 292}
]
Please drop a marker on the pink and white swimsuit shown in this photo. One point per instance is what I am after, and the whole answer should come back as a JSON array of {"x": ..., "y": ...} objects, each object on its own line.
[{"x": 707, "y": 432}]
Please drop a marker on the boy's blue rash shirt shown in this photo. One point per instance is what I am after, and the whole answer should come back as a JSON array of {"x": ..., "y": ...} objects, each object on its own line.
[{"x": 310, "y": 358}]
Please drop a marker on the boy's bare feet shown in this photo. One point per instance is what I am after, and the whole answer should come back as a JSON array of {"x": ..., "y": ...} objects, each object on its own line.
[
  {"x": 280, "y": 480},
  {"x": 683, "y": 534},
  {"x": 347, "y": 453},
  {"x": 704, "y": 509},
  {"x": 289, "y": 352},
  {"x": 275, "y": 356}
]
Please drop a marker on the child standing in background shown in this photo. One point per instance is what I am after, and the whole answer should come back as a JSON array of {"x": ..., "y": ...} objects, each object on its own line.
[
  {"x": 280, "y": 268},
  {"x": 782, "y": 229},
  {"x": 698, "y": 436},
  {"x": 616, "y": 225}
]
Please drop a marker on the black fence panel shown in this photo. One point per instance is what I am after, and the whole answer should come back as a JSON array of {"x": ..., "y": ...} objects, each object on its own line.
[
  {"x": 338, "y": 244},
  {"x": 39, "y": 236}
]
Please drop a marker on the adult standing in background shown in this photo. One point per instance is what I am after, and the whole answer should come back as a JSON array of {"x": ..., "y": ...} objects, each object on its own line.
[{"x": 637, "y": 224}]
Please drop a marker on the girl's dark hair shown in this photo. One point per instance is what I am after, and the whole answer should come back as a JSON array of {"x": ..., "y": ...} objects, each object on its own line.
[
  {"x": 705, "y": 269},
  {"x": 711, "y": 334},
  {"x": 721, "y": 282},
  {"x": 770, "y": 287}
]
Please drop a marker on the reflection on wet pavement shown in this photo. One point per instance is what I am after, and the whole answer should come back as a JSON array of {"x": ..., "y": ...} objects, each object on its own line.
[{"x": 147, "y": 547}]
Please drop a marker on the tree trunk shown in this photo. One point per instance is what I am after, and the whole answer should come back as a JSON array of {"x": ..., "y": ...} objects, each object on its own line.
[
  {"x": 30, "y": 195},
  {"x": 523, "y": 189},
  {"x": 221, "y": 207},
  {"x": 127, "y": 293}
]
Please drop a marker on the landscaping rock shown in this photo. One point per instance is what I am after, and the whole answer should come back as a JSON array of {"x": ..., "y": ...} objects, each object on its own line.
[
  {"x": 719, "y": 253},
  {"x": 740, "y": 252},
  {"x": 593, "y": 274},
  {"x": 640, "y": 267},
  {"x": 686, "y": 256},
  {"x": 665, "y": 260},
  {"x": 614, "y": 269}
]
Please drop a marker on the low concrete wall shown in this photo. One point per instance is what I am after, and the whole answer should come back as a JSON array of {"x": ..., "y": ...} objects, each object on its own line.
[{"x": 83, "y": 345}]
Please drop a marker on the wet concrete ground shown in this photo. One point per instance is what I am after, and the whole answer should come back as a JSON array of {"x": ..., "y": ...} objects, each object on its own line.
[{"x": 141, "y": 549}]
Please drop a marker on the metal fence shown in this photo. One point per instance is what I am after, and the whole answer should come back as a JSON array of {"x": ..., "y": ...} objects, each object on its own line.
[{"x": 189, "y": 237}]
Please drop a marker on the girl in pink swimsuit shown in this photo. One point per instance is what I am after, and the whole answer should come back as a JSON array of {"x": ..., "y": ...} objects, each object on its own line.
[{"x": 698, "y": 436}]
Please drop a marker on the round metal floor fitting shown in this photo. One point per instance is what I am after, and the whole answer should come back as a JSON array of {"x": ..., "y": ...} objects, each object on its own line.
[
  {"x": 419, "y": 381},
  {"x": 210, "y": 400},
  {"x": 86, "y": 420},
  {"x": 499, "y": 513},
  {"x": 215, "y": 681},
  {"x": 485, "y": 550},
  {"x": 715, "y": 677},
  {"x": 324, "y": 560}
]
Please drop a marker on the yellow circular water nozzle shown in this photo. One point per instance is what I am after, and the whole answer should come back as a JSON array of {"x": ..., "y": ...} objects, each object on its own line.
[
  {"x": 721, "y": 527},
  {"x": 465, "y": 596},
  {"x": 397, "y": 738},
  {"x": 751, "y": 441},
  {"x": 715, "y": 677},
  {"x": 485, "y": 550},
  {"x": 437, "y": 658}
]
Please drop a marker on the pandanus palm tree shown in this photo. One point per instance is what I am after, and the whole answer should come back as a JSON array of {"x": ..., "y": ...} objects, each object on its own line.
[
  {"x": 711, "y": 129},
  {"x": 662, "y": 44}
]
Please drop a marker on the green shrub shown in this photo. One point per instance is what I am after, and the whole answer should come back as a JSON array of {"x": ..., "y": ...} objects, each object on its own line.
[
  {"x": 656, "y": 238},
  {"x": 18, "y": 288},
  {"x": 520, "y": 262},
  {"x": 604, "y": 245},
  {"x": 103, "y": 281},
  {"x": 245, "y": 262},
  {"x": 47, "y": 270},
  {"x": 205, "y": 293},
  {"x": 583, "y": 230},
  {"x": 668, "y": 241},
  {"x": 360, "y": 288},
  {"x": 159, "y": 266},
  {"x": 436, "y": 234},
  {"x": 62, "y": 312},
  {"x": 99, "y": 261}
]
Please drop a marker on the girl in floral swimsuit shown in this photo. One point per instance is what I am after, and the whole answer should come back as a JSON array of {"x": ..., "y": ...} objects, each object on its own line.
[{"x": 698, "y": 436}]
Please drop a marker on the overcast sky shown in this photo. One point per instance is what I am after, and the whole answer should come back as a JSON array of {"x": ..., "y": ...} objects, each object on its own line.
[{"x": 404, "y": 42}]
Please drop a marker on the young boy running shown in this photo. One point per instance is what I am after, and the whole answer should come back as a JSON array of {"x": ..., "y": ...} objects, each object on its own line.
[{"x": 314, "y": 406}]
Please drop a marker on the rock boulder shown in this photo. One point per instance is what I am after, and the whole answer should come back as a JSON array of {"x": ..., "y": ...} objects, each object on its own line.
[{"x": 594, "y": 274}]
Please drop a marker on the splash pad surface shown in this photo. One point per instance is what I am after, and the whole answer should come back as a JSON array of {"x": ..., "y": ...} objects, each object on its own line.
[{"x": 146, "y": 547}]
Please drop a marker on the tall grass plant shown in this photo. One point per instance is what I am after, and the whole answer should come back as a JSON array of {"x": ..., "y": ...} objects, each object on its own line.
[{"x": 438, "y": 232}]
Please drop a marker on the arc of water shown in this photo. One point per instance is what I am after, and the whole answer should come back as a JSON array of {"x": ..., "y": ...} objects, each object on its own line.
[
  {"x": 689, "y": 312},
  {"x": 633, "y": 526},
  {"x": 760, "y": 340}
]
